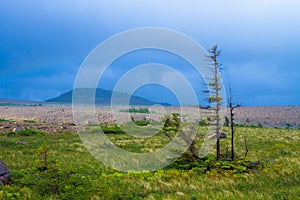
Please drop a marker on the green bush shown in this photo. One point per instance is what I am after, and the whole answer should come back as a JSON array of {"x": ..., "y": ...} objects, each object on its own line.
[
  {"x": 5, "y": 120},
  {"x": 226, "y": 122},
  {"x": 259, "y": 125},
  {"x": 204, "y": 122},
  {"x": 142, "y": 122},
  {"x": 33, "y": 121},
  {"x": 111, "y": 129},
  {"x": 135, "y": 110}
]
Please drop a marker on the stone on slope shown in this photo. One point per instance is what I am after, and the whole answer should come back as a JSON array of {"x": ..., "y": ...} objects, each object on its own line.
[{"x": 4, "y": 174}]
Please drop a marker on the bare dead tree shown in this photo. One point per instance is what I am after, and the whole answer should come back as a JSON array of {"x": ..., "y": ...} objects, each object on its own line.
[
  {"x": 232, "y": 106},
  {"x": 246, "y": 147}
]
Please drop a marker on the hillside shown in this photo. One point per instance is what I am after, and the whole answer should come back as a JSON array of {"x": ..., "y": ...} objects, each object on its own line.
[{"x": 103, "y": 97}]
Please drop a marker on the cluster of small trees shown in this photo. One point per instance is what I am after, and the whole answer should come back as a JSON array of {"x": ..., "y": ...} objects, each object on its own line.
[{"x": 214, "y": 88}]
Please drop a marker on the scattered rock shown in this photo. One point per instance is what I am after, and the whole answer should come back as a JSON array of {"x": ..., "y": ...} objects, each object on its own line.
[
  {"x": 180, "y": 193},
  {"x": 214, "y": 136},
  {"x": 254, "y": 164},
  {"x": 4, "y": 174},
  {"x": 50, "y": 119},
  {"x": 16, "y": 130},
  {"x": 24, "y": 143},
  {"x": 223, "y": 135}
]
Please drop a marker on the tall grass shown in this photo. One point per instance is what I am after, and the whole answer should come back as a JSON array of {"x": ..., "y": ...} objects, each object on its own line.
[{"x": 75, "y": 174}]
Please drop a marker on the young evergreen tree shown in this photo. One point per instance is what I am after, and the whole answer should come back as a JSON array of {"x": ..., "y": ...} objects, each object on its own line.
[{"x": 214, "y": 90}]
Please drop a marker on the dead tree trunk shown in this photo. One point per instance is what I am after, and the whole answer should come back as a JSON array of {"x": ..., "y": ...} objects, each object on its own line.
[{"x": 232, "y": 107}]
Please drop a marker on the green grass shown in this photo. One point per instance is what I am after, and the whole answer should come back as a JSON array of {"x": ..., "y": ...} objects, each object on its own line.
[
  {"x": 26, "y": 132},
  {"x": 74, "y": 174}
]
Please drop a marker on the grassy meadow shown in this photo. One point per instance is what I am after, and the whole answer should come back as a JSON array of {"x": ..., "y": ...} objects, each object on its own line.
[{"x": 58, "y": 166}]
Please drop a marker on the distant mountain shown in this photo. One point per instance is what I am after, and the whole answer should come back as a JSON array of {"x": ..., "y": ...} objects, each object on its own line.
[{"x": 103, "y": 97}]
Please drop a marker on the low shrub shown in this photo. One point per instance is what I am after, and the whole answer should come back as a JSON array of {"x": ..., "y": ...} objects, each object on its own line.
[
  {"x": 142, "y": 122},
  {"x": 209, "y": 163},
  {"x": 111, "y": 129},
  {"x": 5, "y": 120}
]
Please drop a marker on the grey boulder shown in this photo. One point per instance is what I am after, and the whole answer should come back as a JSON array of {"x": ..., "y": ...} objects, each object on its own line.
[{"x": 4, "y": 174}]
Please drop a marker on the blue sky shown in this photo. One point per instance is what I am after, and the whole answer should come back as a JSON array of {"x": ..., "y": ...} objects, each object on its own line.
[{"x": 44, "y": 42}]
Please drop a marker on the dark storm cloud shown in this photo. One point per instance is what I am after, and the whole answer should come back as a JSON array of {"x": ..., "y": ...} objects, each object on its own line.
[{"x": 43, "y": 43}]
